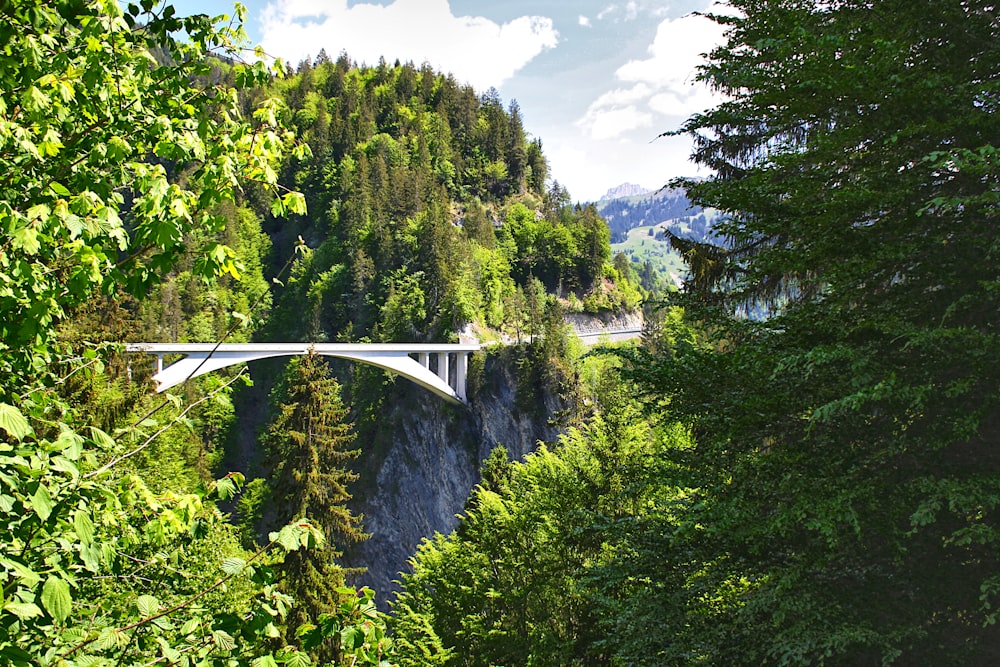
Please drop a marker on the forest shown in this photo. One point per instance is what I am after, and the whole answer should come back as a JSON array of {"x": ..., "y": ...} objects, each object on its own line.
[{"x": 793, "y": 467}]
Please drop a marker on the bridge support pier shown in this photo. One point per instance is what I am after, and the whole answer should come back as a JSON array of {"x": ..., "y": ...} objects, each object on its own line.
[
  {"x": 461, "y": 372},
  {"x": 442, "y": 370}
]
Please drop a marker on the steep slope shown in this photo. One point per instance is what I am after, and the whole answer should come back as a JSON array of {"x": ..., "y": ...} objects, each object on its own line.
[
  {"x": 428, "y": 211},
  {"x": 424, "y": 458}
]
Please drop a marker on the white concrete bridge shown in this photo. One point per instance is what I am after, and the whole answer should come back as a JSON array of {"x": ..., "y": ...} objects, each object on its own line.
[{"x": 442, "y": 368}]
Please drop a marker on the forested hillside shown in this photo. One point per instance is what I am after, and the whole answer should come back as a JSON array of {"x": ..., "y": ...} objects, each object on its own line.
[
  {"x": 669, "y": 209},
  {"x": 797, "y": 465},
  {"x": 428, "y": 211}
]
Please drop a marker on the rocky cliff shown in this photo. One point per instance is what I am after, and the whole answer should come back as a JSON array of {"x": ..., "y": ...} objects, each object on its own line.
[{"x": 424, "y": 458}]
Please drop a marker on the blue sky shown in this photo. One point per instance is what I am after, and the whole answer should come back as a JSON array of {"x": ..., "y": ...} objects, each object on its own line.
[{"x": 596, "y": 80}]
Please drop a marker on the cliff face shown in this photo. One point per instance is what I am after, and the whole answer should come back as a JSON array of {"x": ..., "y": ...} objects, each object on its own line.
[{"x": 426, "y": 459}]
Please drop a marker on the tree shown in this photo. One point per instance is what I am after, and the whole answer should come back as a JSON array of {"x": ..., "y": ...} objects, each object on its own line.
[
  {"x": 96, "y": 104},
  {"x": 309, "y": 440},
  {"x": 515, "y": 583},
  {"x": 845, "y": 420},
  {"x": 84, "y": 108}
]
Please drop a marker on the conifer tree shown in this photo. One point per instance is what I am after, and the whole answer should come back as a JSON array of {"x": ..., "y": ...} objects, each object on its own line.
[
  {"x": 310, "y": 439},
  {"x": 846, "y": 424}
]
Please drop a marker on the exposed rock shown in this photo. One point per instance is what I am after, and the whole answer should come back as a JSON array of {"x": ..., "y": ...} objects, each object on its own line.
[
  {"x": 625, "y": 190},
  {"x": 586, "y": 323},
  {"x": 426, "y": 459}
]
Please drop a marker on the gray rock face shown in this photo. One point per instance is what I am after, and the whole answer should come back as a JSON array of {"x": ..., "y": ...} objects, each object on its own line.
[
  {"x": 583, "y": 323},
  {"x": 625, "y": 190},
  {"x": 428, "y": 459}
]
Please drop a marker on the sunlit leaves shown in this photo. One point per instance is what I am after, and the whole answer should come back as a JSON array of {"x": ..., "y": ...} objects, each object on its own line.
[
  {"x": 13, "y": 422},
  {"x": 56, "y": 598},
  {"x": 116, "y": 148},
  {"x": 93, "y": 104}
]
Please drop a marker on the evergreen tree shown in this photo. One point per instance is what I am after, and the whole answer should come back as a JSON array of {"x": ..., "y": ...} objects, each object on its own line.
[
  {"x": 847, "y": 421},
  {"x": 310, "y": 440}
]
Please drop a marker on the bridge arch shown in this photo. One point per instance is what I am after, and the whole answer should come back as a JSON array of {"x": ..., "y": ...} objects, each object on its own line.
[{"x": 411, "y": 360}]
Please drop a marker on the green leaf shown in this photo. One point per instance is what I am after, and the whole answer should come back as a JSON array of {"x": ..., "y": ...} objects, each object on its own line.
[
  {"x": 16, "y": 655},
  {"x": 225, "y": 488},
  {"x": 41, "y": 502},
  {"x": 352, "y": 637},
  {"x": 111, "y": 638},
  {"x": 39, "y": 212},
  {"x": 277, "y": 207},
  {"x": 59, "y": 189},
  {"x": 84, "y": 527},
  {"x": 71, "y": 444},
  {"x": 233, "y": 566},
  {"x": 223, "y": 640},
  {"x": 63, "y": 464},
  {"x": 101, "y": 439},
  {"x": 56, "y": 598},
  {"x": 297, "y": 659},
  {"x": 147, "y": 605},
  {"x": 190, "y": 626},
  {"x": 295, "y": 202},
  {"x": 26, "y": 576},
  {"x": 167, "y": 651},
  {"x": 264, "y": 661},
  {"x": 12, "y": 421},
  {"x": 288, "y": 537},
  {"x": 23, "y": 610},
  {"x": 26, "y": 239},
  {"x": 90, "y": 554}
]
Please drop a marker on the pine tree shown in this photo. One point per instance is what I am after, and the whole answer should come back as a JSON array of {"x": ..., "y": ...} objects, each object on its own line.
[
  {"x": 310, "y": 439},
  {"x": 846, "y": 460}
]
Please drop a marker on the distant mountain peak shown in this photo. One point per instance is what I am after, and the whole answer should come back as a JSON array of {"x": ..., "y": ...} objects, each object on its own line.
[{"x": 625, "y": 190}]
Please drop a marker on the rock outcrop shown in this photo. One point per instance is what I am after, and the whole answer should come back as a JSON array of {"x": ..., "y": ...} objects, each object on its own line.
[{"x": 426, "y": 458}]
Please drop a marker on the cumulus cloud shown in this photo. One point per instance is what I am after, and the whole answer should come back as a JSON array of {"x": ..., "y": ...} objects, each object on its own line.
[
  {"x": 661, "y": 85},
  {"x": 475, "y": 49},
  {"x": 584, "y": 21}
]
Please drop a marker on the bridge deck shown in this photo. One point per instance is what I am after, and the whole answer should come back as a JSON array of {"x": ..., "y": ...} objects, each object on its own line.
[{"x": 201, "y": 358}]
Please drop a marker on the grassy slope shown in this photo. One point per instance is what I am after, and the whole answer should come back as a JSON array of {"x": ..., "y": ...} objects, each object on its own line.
[{"x": 641, "y": 246}]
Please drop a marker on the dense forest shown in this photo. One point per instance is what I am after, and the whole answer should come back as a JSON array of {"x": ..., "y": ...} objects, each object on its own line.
[{"x": 794, "y": 467}]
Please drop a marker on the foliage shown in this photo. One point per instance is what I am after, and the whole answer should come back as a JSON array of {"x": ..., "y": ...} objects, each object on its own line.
[
  {"x": 117, "y": 155},
  {"x": 846, "y": 504},
  {"x": 428, "y": 209},
  {"x": 512, "y": 584},
  {"x": 84, "y": 106},
  {"x": 308, "y": 441}
]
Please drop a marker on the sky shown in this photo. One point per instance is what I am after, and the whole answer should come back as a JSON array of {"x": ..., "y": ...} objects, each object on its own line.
[{"x": 596, "y": 80}]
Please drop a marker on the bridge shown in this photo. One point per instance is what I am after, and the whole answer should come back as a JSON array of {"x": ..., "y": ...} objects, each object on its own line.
[{"x": 439, "y": 367}]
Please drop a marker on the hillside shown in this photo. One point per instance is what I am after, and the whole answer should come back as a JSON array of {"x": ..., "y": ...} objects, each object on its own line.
[
  {"x": 637, "y": 219},
  {"x": 667, "y": 208}
]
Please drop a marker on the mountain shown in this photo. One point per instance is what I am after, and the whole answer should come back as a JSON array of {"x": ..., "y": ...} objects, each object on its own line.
[
  {"x": 625, "y": 190},
  {"x": 667, "y": 208}
]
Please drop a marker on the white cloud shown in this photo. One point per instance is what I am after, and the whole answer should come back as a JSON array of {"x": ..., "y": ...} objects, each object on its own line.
[
  {"x": 661, "y": 85},
  {"x": 475, "y": 49},
  {"x": 584, "y": 21},
  {"x": 616, "y": 112},
  {"x": 629, "y": 11},
  {"x": 612, "y": 123},
  {"x": 589, "y": 168}
]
